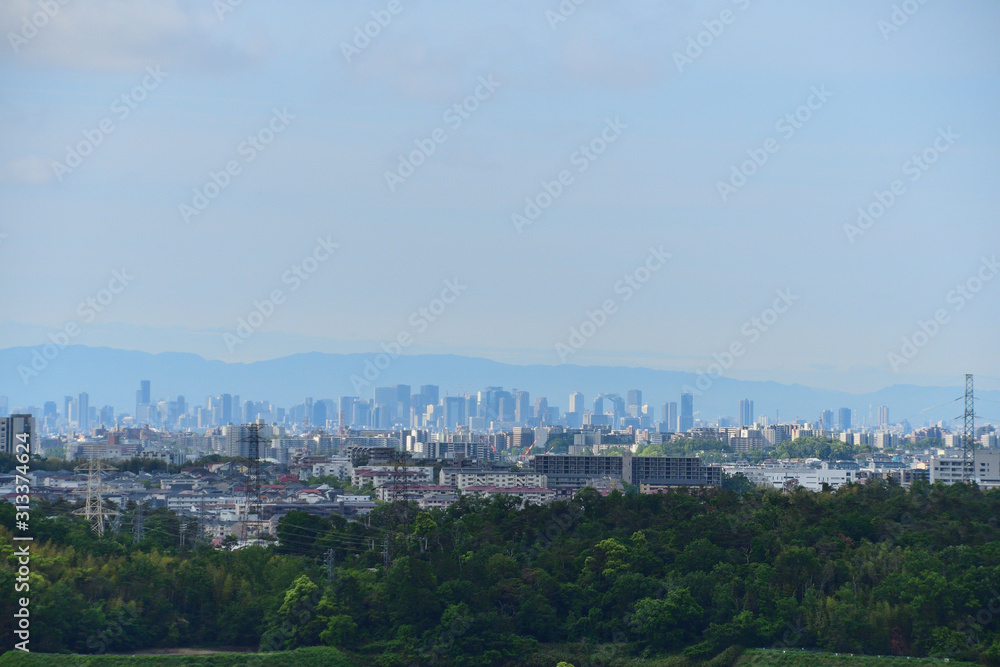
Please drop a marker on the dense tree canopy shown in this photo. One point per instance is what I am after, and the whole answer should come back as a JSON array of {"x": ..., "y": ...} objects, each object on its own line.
[{"x": 866, "y": 569}]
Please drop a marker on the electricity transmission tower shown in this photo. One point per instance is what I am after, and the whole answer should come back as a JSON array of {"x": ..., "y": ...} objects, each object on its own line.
[
  {"x": 969, "y": 432},
  {"x": 137, "y": 528},
  {"x": 94, "y": 508},
  {"x": 253, "y": 504},
  {"x": 330, "y": 560}
]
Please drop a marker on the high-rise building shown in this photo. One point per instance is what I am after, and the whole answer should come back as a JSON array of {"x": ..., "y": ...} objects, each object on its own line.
[
  {"x": 144, "y": 391},
  {"x": 522, "y": 407},
  {"x": 226, "y": 415},
  {"x": 634, "y": 406},
  {"x": 617, "y": 409},
  {"x": 599, "y": 404},
  {"x": 431, "y": 393},
  {"x": 576, "y": 402},
  {"x": 318, "y": 418},
  {"x": 83, "y": 409},
  {"x": 523, "y": 437},
  {"x": 746, "y": 413},
  {"x": 670, "y": 416},
  {"x": 15, "y": 429},
  {"x": 454, "y": 412},
  {"x": 542, "y": 409},
  {"x": 402, "y": 409},
  {"x": 685, "y": 421},
  {"x": 827, "y": 418},
  {"x": 107, "y": 416},
  {"x": 883, "y": 416},
  {"x": 386, "y": 398},
  {"x": 237, "y": 439},
  {"x": 361, "y": 413},
  {"x": 345, "y": 408},
  {"x": 844, "y": 422}
]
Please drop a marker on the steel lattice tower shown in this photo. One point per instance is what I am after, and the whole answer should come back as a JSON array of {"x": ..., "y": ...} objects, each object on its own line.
[
  {"x": 253, "y": 505},
  {"x": 969, "y": 432},
  {"x": 94, "y": 508}
]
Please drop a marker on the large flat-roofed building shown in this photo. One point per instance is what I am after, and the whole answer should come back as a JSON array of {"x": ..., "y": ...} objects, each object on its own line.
[
  {"x": 660, "y": 471},
  {"x": 18, "y": 429},
  {"x": 985, "y": 468},
  {"x": 577, "y": 471},
  {"x": 669, "y": 471},
  {"x": 780, "y": 477}
]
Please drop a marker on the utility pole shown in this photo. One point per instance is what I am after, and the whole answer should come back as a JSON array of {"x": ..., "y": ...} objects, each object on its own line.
[{"x": 969, "y": 432}]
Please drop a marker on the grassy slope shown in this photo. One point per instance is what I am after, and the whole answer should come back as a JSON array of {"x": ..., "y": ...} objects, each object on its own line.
[
  {"x": 305, "y": 657},
  {"x": 328, "y": 657},
  {"x": 761, "y": 658}
]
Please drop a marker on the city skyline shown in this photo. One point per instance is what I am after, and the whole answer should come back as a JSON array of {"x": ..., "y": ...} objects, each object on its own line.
[{"x": 282, "y": 148}]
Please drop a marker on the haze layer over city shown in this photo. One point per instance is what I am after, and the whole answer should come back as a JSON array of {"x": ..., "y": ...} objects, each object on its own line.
[{"x": 552, "y": 333}]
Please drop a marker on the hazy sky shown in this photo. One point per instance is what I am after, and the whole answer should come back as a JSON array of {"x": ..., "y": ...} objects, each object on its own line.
[{"x": 666, "y": 121}]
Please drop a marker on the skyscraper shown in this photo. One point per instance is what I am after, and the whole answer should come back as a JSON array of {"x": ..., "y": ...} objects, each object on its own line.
[
  {"x": 345, "y": 407},
  {"x": 670, "y": 416},
  {"x": 318, "y": 418},
  {"x": 576, "y": 402},
  {"x": 522, "y": 407},
  {"x": 83, "y": 409},
  {"x": 431, "y": 393},
  {"x": 827, "y": 418},
  {"x": 686, "y": 420},
  {"x": 634, "y": 406},
  {"x": 144, "y": 391},
  {"x": 883, "y": 416},
  {"x": 386, "y": 398},
  {"x": 844, "y": 423},
  {"x": 227, "y": 408},
  {"x": 402, "y": 409},
  {"x": 746, "y": 412},
  {"x": 454, "y": 412}
]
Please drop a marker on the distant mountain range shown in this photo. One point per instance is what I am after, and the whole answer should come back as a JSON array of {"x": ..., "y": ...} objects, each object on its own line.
[{"x": 111, "y": 376}]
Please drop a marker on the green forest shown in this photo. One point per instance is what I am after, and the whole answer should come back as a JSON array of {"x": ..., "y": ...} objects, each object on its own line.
[{"x": 867, "y": 569}]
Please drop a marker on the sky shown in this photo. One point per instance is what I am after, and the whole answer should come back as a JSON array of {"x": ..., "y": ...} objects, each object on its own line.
[{"x": 654, "y": 184}]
